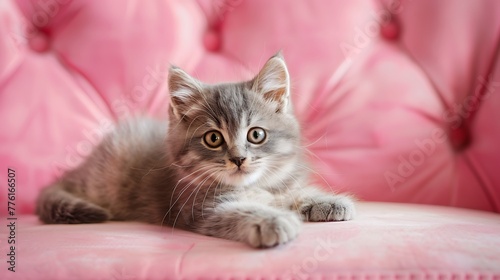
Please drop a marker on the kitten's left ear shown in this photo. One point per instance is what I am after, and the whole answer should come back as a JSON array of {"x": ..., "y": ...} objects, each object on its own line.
[{"x": 273, "y": 82}]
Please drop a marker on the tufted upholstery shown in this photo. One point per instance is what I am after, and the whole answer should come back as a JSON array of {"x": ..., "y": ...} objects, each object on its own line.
[{"x": 399, "y": 100}]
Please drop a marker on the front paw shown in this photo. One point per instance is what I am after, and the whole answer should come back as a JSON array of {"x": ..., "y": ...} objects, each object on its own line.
[
  {"x": 330, "y": 208},
  {"x": 273, "y": 230}
]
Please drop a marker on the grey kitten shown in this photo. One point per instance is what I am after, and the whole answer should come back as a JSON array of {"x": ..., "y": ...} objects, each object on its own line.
[{"x": 228, "y": 164}]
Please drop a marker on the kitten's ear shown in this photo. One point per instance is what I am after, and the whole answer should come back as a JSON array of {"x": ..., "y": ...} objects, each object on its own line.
[
  {"x": 273, "y": 82},
  {"x": 184, "y": 90}
]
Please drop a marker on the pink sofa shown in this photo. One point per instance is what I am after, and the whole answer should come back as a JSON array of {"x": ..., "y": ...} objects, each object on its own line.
[{"x": 399, "y": 102}]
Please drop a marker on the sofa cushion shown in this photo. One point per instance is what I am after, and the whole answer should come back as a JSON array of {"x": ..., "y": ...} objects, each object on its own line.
[
  {"x": 386, "y": 241},
  {"x": 380, "y": 87}
]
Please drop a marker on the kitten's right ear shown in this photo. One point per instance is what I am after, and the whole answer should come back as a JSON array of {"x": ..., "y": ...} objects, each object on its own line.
[{"x": 183, "y": 90}]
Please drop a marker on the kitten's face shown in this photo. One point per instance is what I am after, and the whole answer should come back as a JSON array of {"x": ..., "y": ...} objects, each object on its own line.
[{"x": 237, "y": 134}]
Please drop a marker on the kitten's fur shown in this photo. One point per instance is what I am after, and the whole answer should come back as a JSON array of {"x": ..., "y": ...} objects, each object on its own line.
[{"x": 163, "y": 173}]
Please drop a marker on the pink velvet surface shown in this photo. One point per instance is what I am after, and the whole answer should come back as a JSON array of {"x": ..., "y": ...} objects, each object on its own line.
[
  {"x": 398, "y": 101},
  {"x": 386, "y": 241}
]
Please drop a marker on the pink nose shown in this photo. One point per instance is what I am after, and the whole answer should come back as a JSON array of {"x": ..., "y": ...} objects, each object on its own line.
[{"x": 237, "y": 160}]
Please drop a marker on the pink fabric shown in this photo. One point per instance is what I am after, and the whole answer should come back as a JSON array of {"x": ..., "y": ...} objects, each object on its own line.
[
  {"x": 386, "y": 241},
  {"x": 376, "y": 85},
  {"x": 399, "y": 102}
]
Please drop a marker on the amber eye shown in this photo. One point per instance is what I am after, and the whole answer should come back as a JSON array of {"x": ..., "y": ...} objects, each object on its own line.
[
  {"x": 213, "y": 139},
  {"x": 256, "y": 135}
]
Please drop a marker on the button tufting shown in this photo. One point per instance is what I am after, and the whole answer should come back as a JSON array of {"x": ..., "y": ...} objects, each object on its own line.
[
  {"x": 39, "y": 42},
  {"x": 391, "y": 29},
  {"x": 212, "y": 40},
  {"x": 460, "y": 137}
]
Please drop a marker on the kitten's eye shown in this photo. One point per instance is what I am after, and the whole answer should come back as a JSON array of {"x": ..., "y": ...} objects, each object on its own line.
[
  {"x": 213, "y": 139},
  {"x": 256, "y": 135}
]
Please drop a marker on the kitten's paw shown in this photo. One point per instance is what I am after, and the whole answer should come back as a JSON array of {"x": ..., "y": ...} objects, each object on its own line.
[
  {"x": 331, "y": 208},
  {"x": 78, "y": 213},
  {"x": 88, "y": 213},
  {"x": 273, "y": 230}
]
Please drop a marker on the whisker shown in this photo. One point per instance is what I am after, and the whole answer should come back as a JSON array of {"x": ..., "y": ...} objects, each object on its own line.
[
  {"x": 316, "y": 173},
  {"x": 210, "y": 110},
  {"x": 171, "y": 205},
  {"x": 206, "y": 193},
  {"x": 182, "y": 206},
  {"x": 183, "y": 116},
  {"x": 215, "y": 190},
  {"x": 192, "y": 135},
  {"x": 186, "y": 141},
  {"x": 315, "y": 141},
  {"x": 312, "y": 154},
  {"x": 196, "y": 194}
]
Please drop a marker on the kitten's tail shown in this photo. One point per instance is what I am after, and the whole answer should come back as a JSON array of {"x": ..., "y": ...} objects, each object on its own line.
[{"x": 56, "y": 205}]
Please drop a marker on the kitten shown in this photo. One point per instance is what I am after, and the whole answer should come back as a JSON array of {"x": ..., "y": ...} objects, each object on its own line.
[{"x": 228, "y": 164}]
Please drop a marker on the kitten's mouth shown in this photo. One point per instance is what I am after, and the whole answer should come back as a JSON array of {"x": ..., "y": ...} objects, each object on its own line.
[
  {"x": 242, "y": 177},
  {"x": 240, "y": 172}
]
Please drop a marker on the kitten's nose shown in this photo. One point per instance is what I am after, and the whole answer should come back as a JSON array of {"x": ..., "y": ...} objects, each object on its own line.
[{"x": 237, "y": 160}]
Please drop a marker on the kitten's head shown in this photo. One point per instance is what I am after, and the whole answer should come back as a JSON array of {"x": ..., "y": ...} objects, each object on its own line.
[{"x": 237, "y": 134}]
